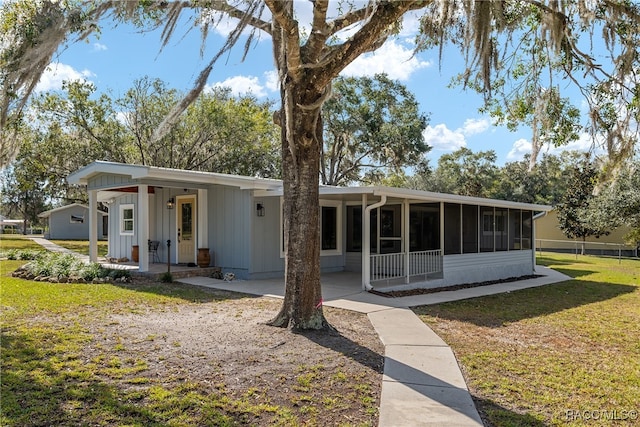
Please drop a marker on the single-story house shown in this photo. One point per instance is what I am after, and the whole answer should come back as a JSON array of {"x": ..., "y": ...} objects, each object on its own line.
[
  {"x": 11, "y": 226},
  {"x": 392, "y": 236},
  {"x": 71, "y": 222},
  {"x": 550, "y": 237}
]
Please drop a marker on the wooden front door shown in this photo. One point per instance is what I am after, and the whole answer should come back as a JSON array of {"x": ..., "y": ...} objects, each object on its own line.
[{"x": 186, "y": 229}]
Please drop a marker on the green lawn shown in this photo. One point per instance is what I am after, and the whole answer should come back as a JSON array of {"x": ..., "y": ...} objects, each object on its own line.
[
  {"x": 561, "y": 354},
  {"x": 82, "y": 246},
  {"x": 57, "y": 368},
  {"x": 17, "y": 241}
]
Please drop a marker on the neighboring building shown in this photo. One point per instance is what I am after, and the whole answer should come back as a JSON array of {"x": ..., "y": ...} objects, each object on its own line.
[
  {"x": 550, "y": 237},
  {"x": 11, "y": 226},
  {"x": 71, "y": 222},
  {"x": 407, "y": 238}
]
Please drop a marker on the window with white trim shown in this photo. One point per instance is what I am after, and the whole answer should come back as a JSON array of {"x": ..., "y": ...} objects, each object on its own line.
[
  {"x": 330, "y": 227},
  {"x": 127, "y": 220}
]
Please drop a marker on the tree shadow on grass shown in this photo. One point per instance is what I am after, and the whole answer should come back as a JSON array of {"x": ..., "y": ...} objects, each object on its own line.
[
  {"x": 500, "y": 309},
  {"x": 494, "y": 414},
  {"x": 38, "y": 390},
  {"x": 187, "y": 292},
  {"x": 335, "y": 341}
]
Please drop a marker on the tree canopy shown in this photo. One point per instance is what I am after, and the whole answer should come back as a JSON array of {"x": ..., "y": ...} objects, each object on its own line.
[{"x": 371, "y": 125}]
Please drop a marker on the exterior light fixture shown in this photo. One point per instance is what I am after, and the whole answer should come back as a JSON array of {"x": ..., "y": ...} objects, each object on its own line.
[
  {"x": 171, "y": 203},
  {"x": 260, "y": 209}
]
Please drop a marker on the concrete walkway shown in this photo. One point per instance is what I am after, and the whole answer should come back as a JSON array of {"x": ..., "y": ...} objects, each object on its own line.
[
  {"x": 52, "y": 247},
  {"x": 422, "y": 384}
]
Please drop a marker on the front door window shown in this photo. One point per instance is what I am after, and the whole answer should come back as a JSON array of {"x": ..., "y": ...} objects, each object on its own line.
[{"x": 186, "y": 230}]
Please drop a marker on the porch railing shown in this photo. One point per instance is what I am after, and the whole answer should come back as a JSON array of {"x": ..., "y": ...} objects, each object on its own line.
[{"x": 394, "y": 266}]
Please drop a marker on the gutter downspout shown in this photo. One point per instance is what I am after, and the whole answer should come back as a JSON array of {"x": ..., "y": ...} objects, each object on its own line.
[{"x": 366, "y": 250}]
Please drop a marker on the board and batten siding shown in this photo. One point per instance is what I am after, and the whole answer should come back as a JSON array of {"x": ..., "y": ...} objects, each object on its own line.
[
  {"x": 267, "y": 261},
  {"x": 108, "y": 181},
  {"x": 121, "y": 245},
  {"x": 229, "y": 215},
  {"x": 485, "y": 266}
]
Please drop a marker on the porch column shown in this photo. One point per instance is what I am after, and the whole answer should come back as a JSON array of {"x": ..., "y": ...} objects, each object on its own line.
[
  {"x": 442, "y": 229},
  {"x": 143, "y": 227},
  {"x": 533, "y": 240},
  {"x": 366, "y": 234},
  {"x": 203, "y": 220},
  {"x": 366, "y": 241},
  {"x": 406, "y": 240},
  {"x": 93, "y": 225}
]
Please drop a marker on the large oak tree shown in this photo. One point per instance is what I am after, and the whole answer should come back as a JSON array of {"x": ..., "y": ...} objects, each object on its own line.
[{"x": 308, "y": 59}]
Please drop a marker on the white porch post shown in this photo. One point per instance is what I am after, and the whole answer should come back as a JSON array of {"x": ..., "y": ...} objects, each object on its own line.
[
  {"x": 93, "y": 225},
  {"x": 203, "y": 220},
  {"x": 366, "y": 233},
  {"x": 366, "y": 239},
  {"x": 442, "y": 228},
  {"x": 533, "y": 240},
  {"x": 406, "y": 240},
  {"x": 143, "y": 227}
]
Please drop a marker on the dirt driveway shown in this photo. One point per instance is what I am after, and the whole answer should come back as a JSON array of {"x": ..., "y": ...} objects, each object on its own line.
[{"x": 225, "y": 347}]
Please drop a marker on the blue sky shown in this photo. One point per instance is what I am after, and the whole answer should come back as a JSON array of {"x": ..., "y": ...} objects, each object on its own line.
[{"x": 119, "y": 56}]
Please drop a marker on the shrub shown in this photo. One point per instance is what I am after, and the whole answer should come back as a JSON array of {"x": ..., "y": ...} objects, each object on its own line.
[
  {"x": 28, "y": 254},
  {"x": 92, "y": 271},
  {"x": 166, "y": 277},
  {"x": 12, "y": 254}
]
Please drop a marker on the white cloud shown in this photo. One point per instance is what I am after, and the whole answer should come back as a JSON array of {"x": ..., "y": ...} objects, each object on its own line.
[
  {"x": 56, "y": 73},
  {"x": 271, "y": 81},
  {"x": 519, "y": 149},
  {"x": 241, "y": 85},
  {"x": 442, "y": 138},
  {"x": 523, "y": 146},
  {"x": 97, "y": 47},
  {"x": 392, "y": 58},
  {"x": 474, "y": 126}
]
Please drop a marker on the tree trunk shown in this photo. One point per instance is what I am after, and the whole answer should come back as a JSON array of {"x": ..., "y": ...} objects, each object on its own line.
[{"x": 301, "y": 141}]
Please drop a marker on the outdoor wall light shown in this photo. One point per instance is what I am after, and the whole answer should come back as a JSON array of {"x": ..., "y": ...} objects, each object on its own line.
[
  {"x": 260, "y": 209},
  {"x": 171, "y": 203}
]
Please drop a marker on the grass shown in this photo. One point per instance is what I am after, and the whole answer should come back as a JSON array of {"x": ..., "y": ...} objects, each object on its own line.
[
  {"x": 16, "y": 241},
  {"x": 46, "y": 378},
  {"x": 57, "y": 370},
  {"x": 558, "y": 354},
  {"x": 82, "y": 246}
]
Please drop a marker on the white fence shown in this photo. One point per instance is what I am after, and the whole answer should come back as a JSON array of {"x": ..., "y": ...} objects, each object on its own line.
[{"x": 394, "y": 265}]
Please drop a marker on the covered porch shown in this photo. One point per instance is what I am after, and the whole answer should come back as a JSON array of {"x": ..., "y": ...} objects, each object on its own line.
[{"x": 404, "y": 239}]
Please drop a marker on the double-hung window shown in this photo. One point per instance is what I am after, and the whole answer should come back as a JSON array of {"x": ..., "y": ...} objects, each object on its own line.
[{"x": 127, "y": 220}]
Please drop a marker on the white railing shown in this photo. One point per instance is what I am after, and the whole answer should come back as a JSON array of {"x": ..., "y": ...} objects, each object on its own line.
[
  {"x": 387, "y": 266},
  {"x": 392, "y": 266},
  {"x": 425, "y": 262}
]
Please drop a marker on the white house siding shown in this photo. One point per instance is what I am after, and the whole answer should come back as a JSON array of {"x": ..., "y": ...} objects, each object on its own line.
[
  {"x": 481, "y": 267},
  {"x": 120, "y": 246},
  {"x": 266, "y": 258},
  {"x": 109, "y": 180},
  {"x": 229, "y": 215}
]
